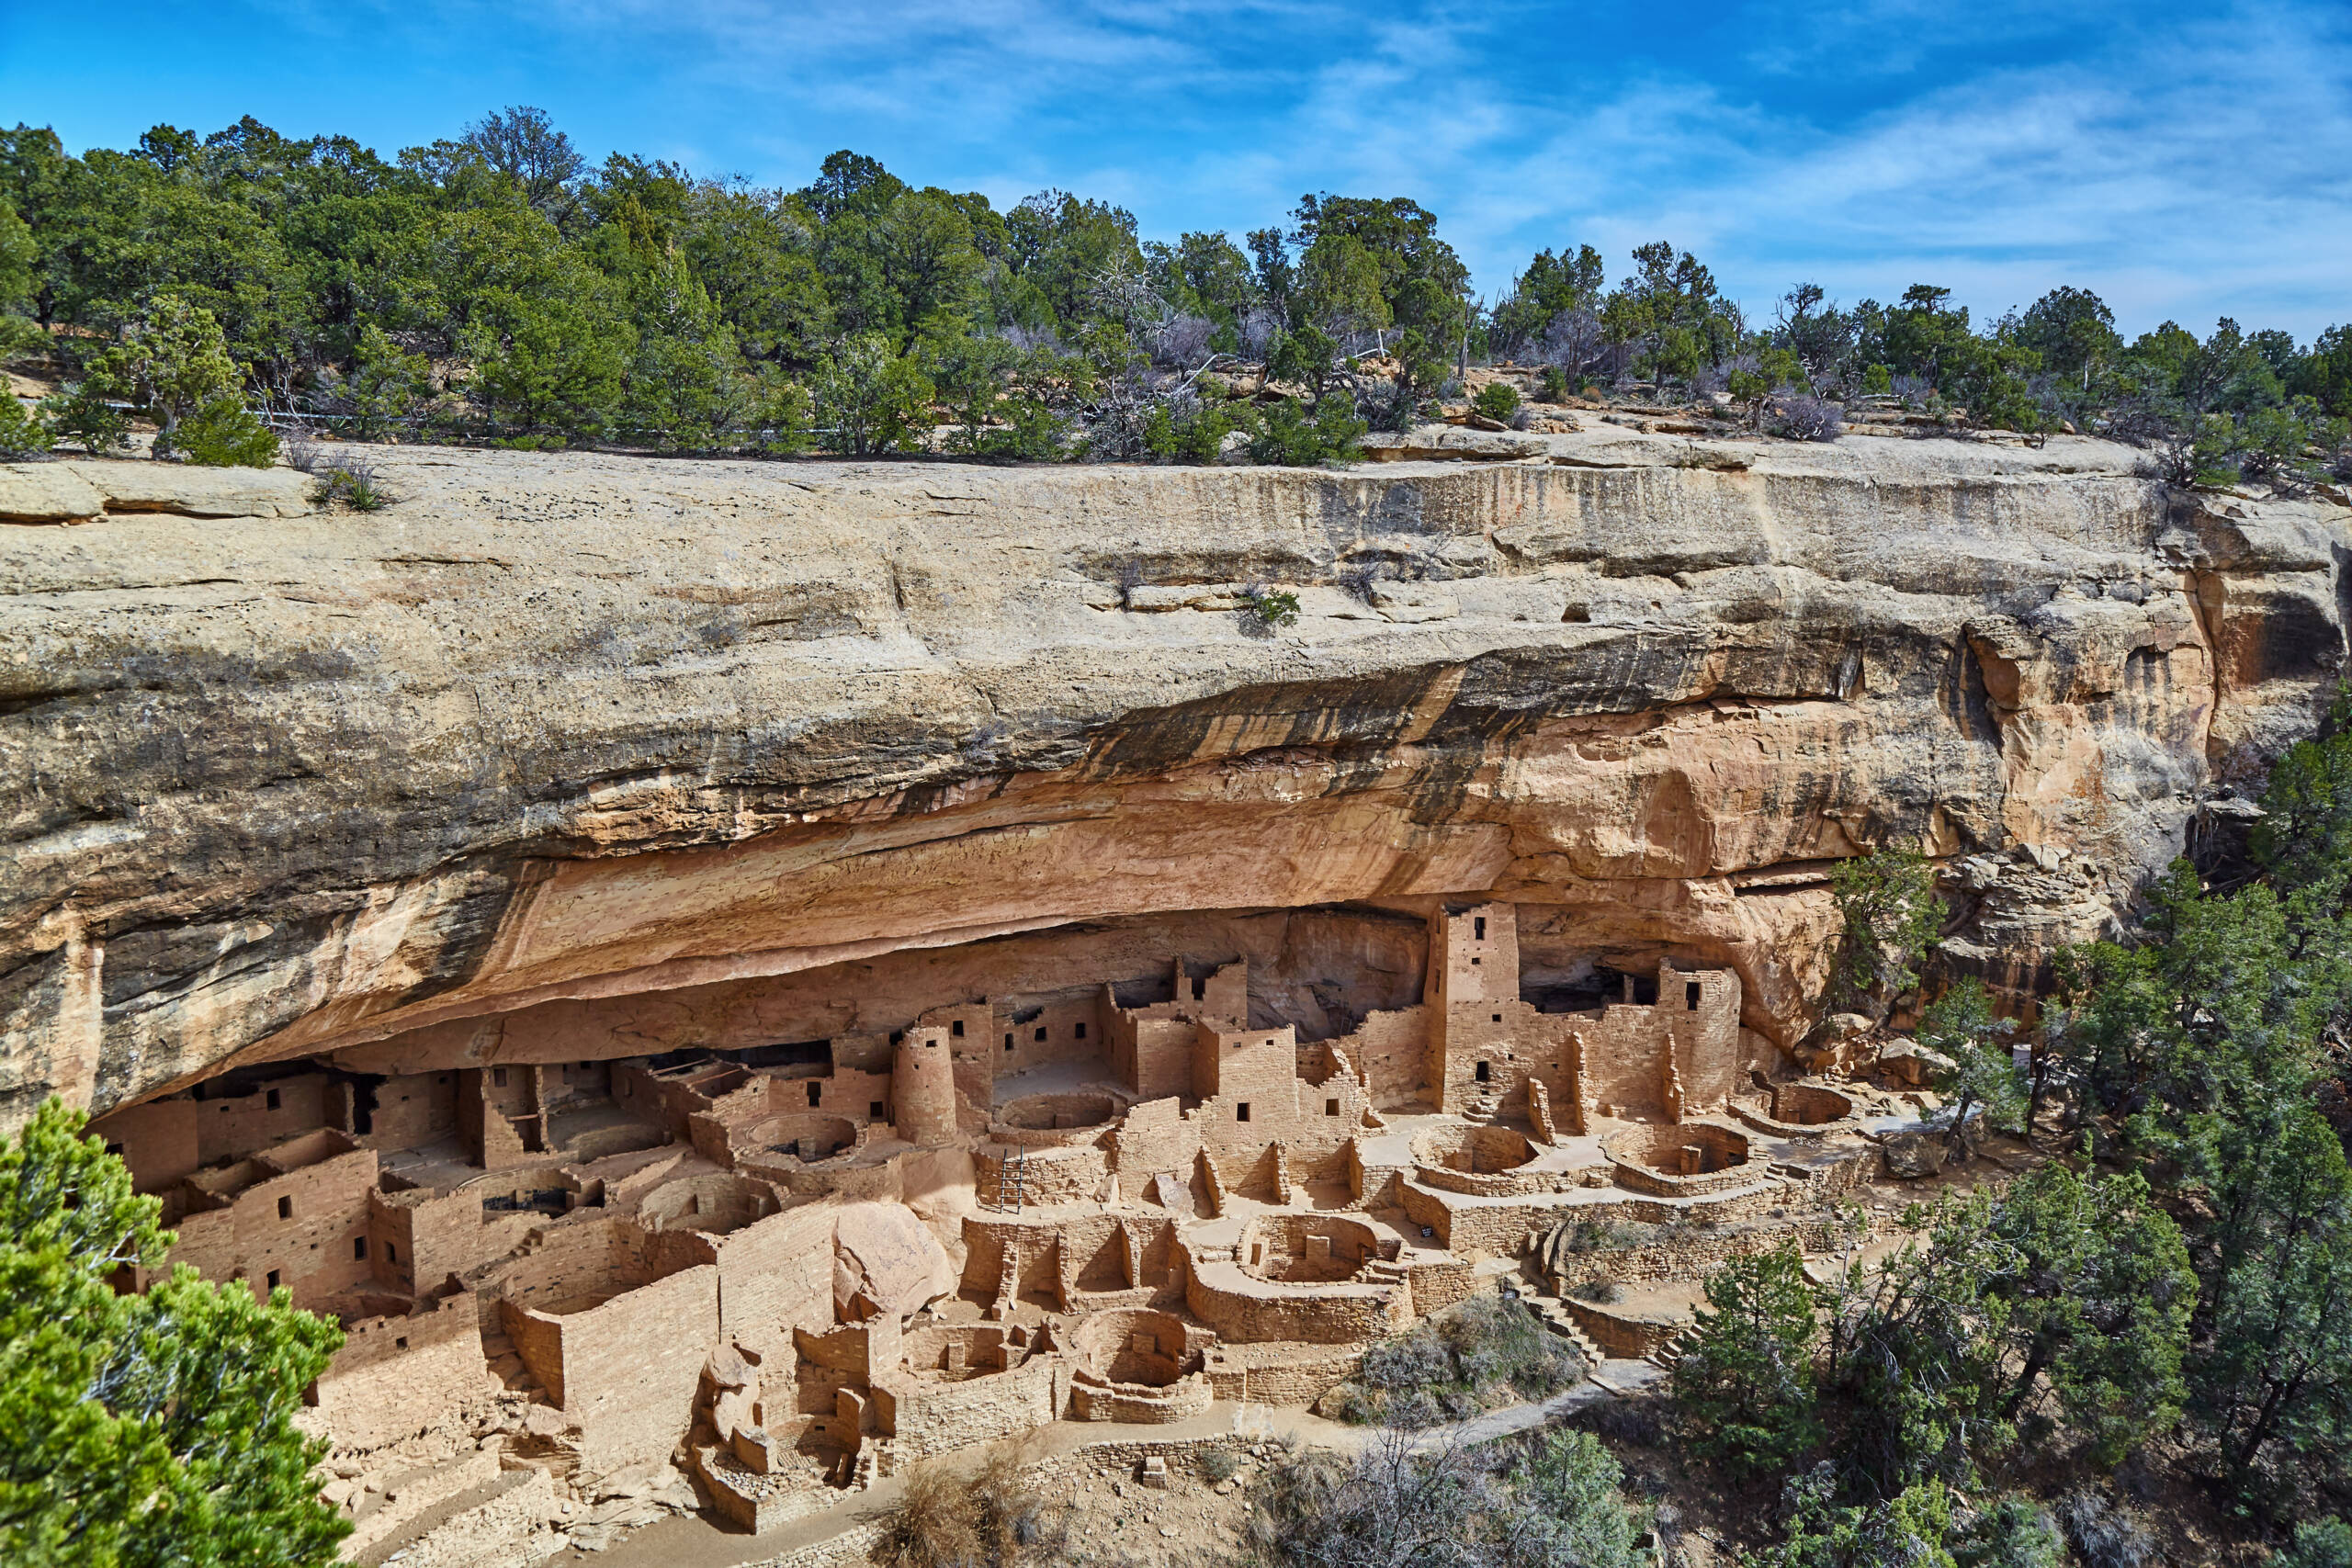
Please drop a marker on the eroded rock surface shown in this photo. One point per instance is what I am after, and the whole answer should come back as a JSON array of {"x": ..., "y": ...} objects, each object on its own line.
[{"x": 560, "y": 739}]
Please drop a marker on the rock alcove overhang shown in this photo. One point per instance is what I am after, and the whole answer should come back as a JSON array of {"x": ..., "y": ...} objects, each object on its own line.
[{"x": 566, "y": 729}]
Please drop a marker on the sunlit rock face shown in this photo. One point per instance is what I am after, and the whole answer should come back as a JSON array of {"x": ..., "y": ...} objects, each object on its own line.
[{"x": 563, "y": 755}]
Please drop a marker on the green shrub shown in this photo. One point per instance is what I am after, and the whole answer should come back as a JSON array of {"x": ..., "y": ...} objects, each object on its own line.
[
  {"x": 1555, "y": 385},
  {"x": 1289, "y": 434},
  {"x": 1487, "y": 1351},
  {"x": 1192, "y": 432},
  {"x": 1218, "y": 1466},
  {"x": 352, "y": 484},
  {"x": 1745, "y": 1382},
  {"x": 2324, "y": 1543},
  {"x": 223, "y": 433},
  {"x": 1496, "y": 399},
  {"x": 24, "y": 432},
  {"x": 149, "y": 1429},
  {"x": 86, "y": 414},
  {"x": 1274, "y": 606}
]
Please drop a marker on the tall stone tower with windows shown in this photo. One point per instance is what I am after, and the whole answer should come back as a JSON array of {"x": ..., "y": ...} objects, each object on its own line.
[{"x": 1473, "y": 997}]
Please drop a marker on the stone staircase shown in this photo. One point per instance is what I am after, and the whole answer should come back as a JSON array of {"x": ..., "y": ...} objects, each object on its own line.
[{"x": 1556, "y": 1320}]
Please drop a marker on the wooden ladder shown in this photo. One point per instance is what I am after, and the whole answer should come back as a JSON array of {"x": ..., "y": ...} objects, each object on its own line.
[{"x": 1013, "y": 1178}]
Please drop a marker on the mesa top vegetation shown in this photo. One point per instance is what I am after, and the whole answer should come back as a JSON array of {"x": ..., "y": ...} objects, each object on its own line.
[{"x": 494, "y": 286}]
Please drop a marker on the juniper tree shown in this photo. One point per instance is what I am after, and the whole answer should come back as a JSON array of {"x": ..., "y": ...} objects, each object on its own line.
[{"x": 142, "y": 1431}]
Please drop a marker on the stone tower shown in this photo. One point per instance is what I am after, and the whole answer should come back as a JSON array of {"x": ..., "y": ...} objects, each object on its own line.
[
  {"x": 1473, "y": 997},
  {"x": 922, "y": 1084}
]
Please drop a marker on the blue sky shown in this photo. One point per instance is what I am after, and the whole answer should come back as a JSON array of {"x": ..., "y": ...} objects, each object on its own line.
[{"x": 2186, "y": 161}]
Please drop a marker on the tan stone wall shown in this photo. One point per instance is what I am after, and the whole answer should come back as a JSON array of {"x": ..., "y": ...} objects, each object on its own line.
[
  {"x": 929, "y": 1418},
  {"x": 776, "y": 1276},
  {"x": 398, "y": 1376},
  {"x": 303, "y": 1225},
  {"x": 1159, "y": 1057},
  {"x": 157, "y": 1140},
  {"x": 631, "y": 1368},
  {"x": 1336, "y": 1316},
  {"x": 923, "y": 1086},
  {"x": 1066, "y": 1027},
  {"x": 246, "y": 1123},
  {"x": 412, "y": 1110},
  {"x": 539, "y": 1340},
  {"x": 581, "y": 1258}
]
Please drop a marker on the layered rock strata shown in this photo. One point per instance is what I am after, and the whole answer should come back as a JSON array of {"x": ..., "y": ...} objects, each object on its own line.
[{"x": 560, "y": 740}]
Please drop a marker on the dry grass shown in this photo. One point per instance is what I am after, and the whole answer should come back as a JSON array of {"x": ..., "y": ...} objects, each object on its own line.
[{"x": 950, "y": 1517}]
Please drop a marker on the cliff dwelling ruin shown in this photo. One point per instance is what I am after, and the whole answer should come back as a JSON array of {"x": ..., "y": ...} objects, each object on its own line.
[
  {"x": 786, "y": 972},
  {"x": 1153, "y": 1197}
]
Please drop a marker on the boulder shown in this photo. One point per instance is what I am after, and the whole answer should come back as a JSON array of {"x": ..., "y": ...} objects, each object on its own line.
[
  {"x": 1911, "y": 1155},
  {"x": 1913, "y": 1063},
  {"x": 885, "y": 1260}
]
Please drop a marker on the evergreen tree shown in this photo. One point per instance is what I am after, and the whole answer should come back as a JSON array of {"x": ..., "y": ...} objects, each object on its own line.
[
  {"x": 1743, "y": 1384},
  {"x": 142, "y": 1431}
]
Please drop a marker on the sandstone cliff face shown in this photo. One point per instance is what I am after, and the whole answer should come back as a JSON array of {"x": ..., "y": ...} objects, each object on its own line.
[{"x": 561, "y": 743}]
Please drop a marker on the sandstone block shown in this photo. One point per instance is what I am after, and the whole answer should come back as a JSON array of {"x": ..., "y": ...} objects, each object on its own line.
[
  {"x": 886, "y": 1261},
  {"x": 46, "y": 493},
  {"x": 145, "y": 485}
]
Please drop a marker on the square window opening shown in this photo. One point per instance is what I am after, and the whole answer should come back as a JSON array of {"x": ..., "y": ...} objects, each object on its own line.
[
  {"x": 1241, "y": 1112},
  {"x": 1691, "y": 996},
  {"x": 286, "y": 1208},
  {"x": 1474, "y": 963},
  {"x": 273, "y": 1102},
  {"x": 1486, "y": 1072},
  {"x": 1331, "y": 1107},
  {"x": 874, "y": 1112},
  {"x": 115, "y": 1149},
  {"x": 399, "y": 1342},
  {"x": 359, "y": 1248},
  {"x": 1478, "y": 928},
  {"x": 1498, "y": 1018},
  {"x": 391, "y": 1253},
  {"x": 1082, "y": 1032},
  {"x": 957, "y": 1028},
  {"x": 498, "y": 1078},
  {"x": 1041, "y": 1033},
  {"x": 1008, "y": 1041},
  {"x": 816, "y": 1092},
  {"x": 272, "y": 1279}
]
